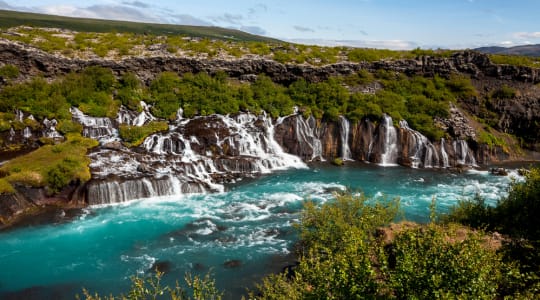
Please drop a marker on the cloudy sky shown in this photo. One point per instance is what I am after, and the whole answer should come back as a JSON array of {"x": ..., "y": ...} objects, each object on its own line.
[{"x": 395, "y": 24}]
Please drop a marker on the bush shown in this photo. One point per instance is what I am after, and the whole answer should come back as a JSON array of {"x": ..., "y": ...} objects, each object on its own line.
[
  {"x": 6, "y": 187},
  {"x": 431, "y": 263},
  {"x": 337, "y": 161},
  {"x": 347, "y": 252},
  {"x": 9, "y": 71},
  {"x": 135, "y": 135},
  {"x": 60, "y": 175},
  {"x": 151, "y": 288},
  {"x": 505, "y": 92}
]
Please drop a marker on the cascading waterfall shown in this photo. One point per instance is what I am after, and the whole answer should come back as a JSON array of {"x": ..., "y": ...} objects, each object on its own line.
[
  {"x": 444, "y": 155},
  {"x": 176, "y": 162},
  {"x": 390, "y": 149},
  {"x": 344, "y": 126},
  {"x": 49, "y": 130},
  {"x": 129, "y": 117},
  {"x": 463, "y": 153},
  {"x": 101, "y": 129},
  {"x": 27, "y": 133},
  {"x": 307, "y": 134},
  {"x": 424, "y": 152}
]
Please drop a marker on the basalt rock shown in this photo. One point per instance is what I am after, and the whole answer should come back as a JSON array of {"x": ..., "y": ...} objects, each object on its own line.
[{"x": 32, "y": 62}]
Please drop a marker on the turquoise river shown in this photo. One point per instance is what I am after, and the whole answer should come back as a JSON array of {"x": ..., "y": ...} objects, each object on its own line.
[{"x": 239, "y": 235}]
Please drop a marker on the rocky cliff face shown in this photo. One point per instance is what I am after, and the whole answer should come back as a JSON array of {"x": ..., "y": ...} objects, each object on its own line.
[{"x": 32, "y": 62}]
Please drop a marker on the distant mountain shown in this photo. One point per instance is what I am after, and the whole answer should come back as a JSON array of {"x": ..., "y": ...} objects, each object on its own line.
[
  {"x": 14, "y": 18},
  {"x": 525, "y": 50}
]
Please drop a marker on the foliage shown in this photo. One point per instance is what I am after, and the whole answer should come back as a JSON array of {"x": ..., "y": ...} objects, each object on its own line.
[
  {"x": 53, "y": 166},
  {"x": 504, "y": 92},
  {"x": 135, "y": 135},
  {"x": 151, "y": 288},
  {"x": 346, "y": 252},
  {"x": 6, "y": 187},
  {"x": 337, "y": 161},
  {"x": 514, "y": 215},
  {"x": 9, "y": 71},
  {"x": 516, "y": 60},
  {"x": 429, "y": 263},
  {"x": 490, "y": 139}
]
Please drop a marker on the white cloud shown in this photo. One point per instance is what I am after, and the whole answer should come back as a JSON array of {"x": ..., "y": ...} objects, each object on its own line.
[
  {"x": 110, "y": 12},
  {"x": 507, "y": 43},
  {"x": 527, "y": 35},
  {"x": 303, "y": 29},
  {"x": 186, "y": 19},
  {"x": 136, "y": 4},
  {"x": 227, "y": 18},
  {"x": 388, "y": 44}
]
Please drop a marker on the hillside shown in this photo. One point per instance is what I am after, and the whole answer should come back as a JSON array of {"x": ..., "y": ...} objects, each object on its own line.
[
  {"x": 525, "y": 50},
  {"x": 12, "y": 19}
]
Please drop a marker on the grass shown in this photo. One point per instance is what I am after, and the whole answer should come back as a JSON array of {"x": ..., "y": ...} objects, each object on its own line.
[
  {"x": 515, "y": 60},
  {"x": 134, "y": 135},
  {"x": 35, "y": 168}
]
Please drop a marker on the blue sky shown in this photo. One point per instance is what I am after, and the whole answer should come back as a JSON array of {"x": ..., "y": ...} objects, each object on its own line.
[{"x": 395, "y": 24}]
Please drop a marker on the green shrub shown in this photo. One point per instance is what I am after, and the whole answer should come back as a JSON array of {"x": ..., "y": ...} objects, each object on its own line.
[
  {"x": 135, "y": 135},
  {"x": 431, "y": 263},
  {"x": 337, "y": 161},
  {"x": 346, "y": 252},
  {"x": 52, "y": 165},
  {"x": 9, "y": 71},
  {"x": 198, "y": 288},
  {"x": 68, "y": 126},
  {"x": 6, "y": 187},
  {"x": 504, "y": 92}
]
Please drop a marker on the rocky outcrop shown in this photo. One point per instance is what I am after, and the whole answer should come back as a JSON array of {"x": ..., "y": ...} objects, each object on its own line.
[
  {"x": 32, "y": 62},
  {"x": 30, "y": 200}
]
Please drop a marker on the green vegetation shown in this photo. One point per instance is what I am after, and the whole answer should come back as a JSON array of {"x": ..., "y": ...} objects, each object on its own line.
[
  {"x": 51, "y": 166},
  {"x": 112, "y": 39},
  {"x": 337, "y": 161},
  {"x": 505, "y": 92},
  {"x": 516, "y": 217},
  {"x": 151, "y": 288},
  {"x": 9, "y": 71},
  {"x": 347, "y": 252},
  {"x": 516, "y": 60},
  {"x": 6, "y": 187},
  {"x": 96, "y": 92},
  {"x": 491, "y": 139},
  {"x": 134, "y": 135}
]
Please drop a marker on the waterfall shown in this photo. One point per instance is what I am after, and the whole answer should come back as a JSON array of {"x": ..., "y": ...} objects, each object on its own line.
[
  {"x": 344, "y": 134},
  {"x": 27, "y": 133},
  {"x": 307, "y": 135},
  {"x": 424, "y": 153},
  {"x": 129, "y": 117},
  {"x": 50, "y": 129},
  {"x": 463, "y": 154},
  {"x": 390, "y": 148},
  {"x": 109, "y": 192},
  {"x": 444, "y": 155},
  {"x": 195, "y": 155},
  {"x": 101, "y": 129}
]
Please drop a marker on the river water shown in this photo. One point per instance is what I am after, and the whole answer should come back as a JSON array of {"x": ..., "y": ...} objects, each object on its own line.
[{"x": 238, "y": 235}]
